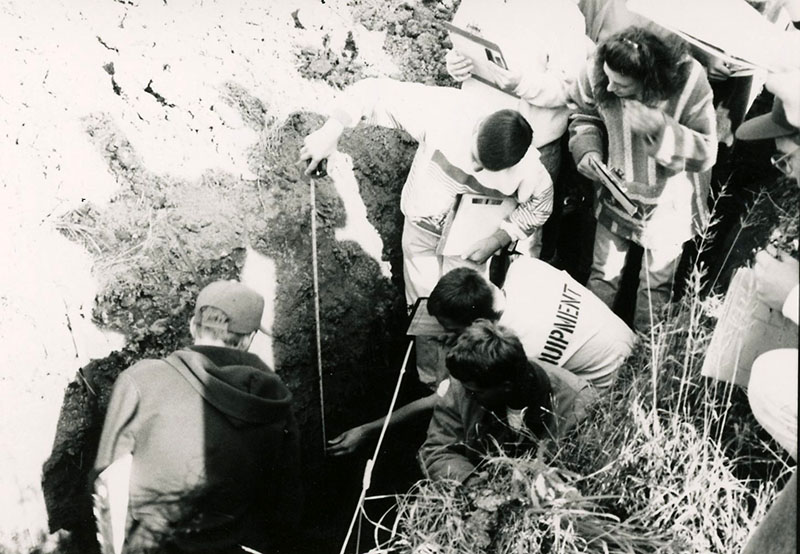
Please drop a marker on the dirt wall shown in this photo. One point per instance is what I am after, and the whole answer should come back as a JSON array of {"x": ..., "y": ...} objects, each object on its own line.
[
  {"x": 195, "y": 232},
  {"x": 162, "y": 238}
]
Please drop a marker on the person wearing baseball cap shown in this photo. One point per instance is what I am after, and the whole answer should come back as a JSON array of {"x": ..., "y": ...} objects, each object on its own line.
[
  {"x": 211, "y": 438},
  {"x": 772, "y": 390},
  {"x": 243, "y": 308}
]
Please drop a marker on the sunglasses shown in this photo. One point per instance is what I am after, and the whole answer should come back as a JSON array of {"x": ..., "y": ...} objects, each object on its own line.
[{"x": 783, "y": 162}]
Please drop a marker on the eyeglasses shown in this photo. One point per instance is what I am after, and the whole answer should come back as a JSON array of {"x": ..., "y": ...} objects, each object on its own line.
[{"x": 783, "y": 163}]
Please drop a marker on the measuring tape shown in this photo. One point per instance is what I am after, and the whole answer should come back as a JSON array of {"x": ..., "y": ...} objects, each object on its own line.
[
  {"x": 315, "y": 277},
  {"x": 366, "y": 481}
]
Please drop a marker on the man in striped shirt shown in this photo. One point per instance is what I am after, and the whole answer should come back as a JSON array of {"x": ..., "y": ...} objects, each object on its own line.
[
  {"x": 463, "y": 148},
  {"x": 655, "y": 104}
]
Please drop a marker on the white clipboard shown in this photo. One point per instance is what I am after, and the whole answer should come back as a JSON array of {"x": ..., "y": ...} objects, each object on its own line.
[
  {"x": 474, "y": 217},
  {"x": 746, "y": 329},
  {"x": 483, "y": 53},
  {"x": 731, "y": 30}
]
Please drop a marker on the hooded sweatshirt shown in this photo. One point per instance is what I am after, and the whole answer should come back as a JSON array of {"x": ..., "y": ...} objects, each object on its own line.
[{"x": 215, "y": 451}]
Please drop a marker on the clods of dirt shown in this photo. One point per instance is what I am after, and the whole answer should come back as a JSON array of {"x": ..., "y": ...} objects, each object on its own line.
[{"x": 156, "y": 255}]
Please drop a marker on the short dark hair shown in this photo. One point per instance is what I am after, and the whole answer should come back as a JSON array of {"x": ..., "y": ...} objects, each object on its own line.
[
  {"x": 211, "y": 322},
  {"x": 660, "y": 63},
  {"x": 487, "y": 354},
  {"x": 503, "y": 139},
  {"x": 462, "y": 295}
]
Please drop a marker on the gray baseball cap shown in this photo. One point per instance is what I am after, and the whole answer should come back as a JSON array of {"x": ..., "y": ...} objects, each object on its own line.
[{"x": 243, "y": 306}]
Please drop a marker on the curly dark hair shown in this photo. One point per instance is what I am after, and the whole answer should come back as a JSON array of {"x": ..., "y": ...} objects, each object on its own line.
[
  {"x": 488, "y": 355},
  {"x": 660, "y": 63}
]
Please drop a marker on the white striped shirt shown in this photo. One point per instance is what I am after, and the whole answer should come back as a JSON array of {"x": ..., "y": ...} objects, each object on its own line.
[{"x": 443, "y": 120}]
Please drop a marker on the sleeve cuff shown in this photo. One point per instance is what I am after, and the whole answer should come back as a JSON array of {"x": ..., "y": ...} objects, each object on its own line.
[
  {"x": 791, "y": 306},
  {"x": 530, "y": 87},
  {"x": 512, "y": 230},
  {"x": 667, "y": 145},
  {"x": 586, "y": 138}
]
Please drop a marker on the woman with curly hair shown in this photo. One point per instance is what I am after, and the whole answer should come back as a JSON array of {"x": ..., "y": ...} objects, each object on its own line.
[{"x": 655, "y": 104}]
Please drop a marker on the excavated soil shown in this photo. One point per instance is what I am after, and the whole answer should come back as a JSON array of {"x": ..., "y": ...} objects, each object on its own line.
[
  {"x": 195, "y": 232},
  {"x": 164, "y": 234},
  {"x": 162, "y": 238}
]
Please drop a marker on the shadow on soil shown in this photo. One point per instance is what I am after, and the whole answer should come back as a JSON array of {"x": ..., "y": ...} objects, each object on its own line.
[{"x": 161, "y": 240}]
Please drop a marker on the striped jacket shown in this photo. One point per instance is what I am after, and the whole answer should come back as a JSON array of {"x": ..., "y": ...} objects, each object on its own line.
[
  {"x": 444, "y": 121},
  {"x": 667, "y": 177}
]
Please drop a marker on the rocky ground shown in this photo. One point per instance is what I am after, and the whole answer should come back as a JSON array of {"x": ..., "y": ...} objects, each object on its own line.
[{"x": 150, "y": 148}]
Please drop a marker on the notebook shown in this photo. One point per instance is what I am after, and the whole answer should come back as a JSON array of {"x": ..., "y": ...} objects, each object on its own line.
[
  {"x": 474, "y": 217},
  {"x": 482, "y": 52}
]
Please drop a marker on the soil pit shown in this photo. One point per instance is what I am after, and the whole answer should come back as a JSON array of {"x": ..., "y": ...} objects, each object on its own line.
[{"x": 161, "y": 240}]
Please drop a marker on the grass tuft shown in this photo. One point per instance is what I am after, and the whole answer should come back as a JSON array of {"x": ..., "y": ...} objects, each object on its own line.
[{"x": 668, "y": 461}]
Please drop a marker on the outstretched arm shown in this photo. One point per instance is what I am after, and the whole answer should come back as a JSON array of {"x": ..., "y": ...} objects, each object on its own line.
[
  {"x": 352, "y": 439},
  {"x": 443, "y": 455},
  {"x": 385, "y": 102}
]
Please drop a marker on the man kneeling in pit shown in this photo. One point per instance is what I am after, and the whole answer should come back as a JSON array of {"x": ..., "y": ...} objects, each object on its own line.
[
  {"x": 497, "y": 397},
  {"x": 559, "y": 322}
]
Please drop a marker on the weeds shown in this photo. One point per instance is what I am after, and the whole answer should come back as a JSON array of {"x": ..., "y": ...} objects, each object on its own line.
[
  {"x": 668, "y": 461},
  {"x": 637, "y": 477}
]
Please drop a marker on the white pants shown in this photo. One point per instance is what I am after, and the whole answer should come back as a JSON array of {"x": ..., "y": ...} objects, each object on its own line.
[
  {"x": 422, "y": 267},
  {"x": 599, "y": 359},
  {"x": 773, "y": 395}
]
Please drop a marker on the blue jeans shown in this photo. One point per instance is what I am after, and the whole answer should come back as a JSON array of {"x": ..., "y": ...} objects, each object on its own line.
[{"x": 655, "y": 279}]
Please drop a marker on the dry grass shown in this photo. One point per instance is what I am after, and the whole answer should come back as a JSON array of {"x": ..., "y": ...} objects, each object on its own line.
[{"x": 668, "y": 461}]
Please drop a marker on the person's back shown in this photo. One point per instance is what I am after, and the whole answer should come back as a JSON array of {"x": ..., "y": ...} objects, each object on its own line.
[
  {"x": 214, "y": 451},
  {"x": 559, "y": 322},
  {"x": 562, "y": 324}
]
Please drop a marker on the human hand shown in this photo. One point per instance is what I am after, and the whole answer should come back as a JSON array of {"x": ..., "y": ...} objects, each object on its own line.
[
  {"x": 320, "y": 144},
  {"x": 585, "y": 167},
  {"x": 484, "y": 248},
  {"x": 776, "y": 276},
  {"x": 458, "y": 66},
  {"x": 717, "y": 69},
  {"x": 348, "y": 442},
  {"x": 505, "y": 79},
  {"x": 642, "y": 119},
  {"x": 475, "y": 478}
]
